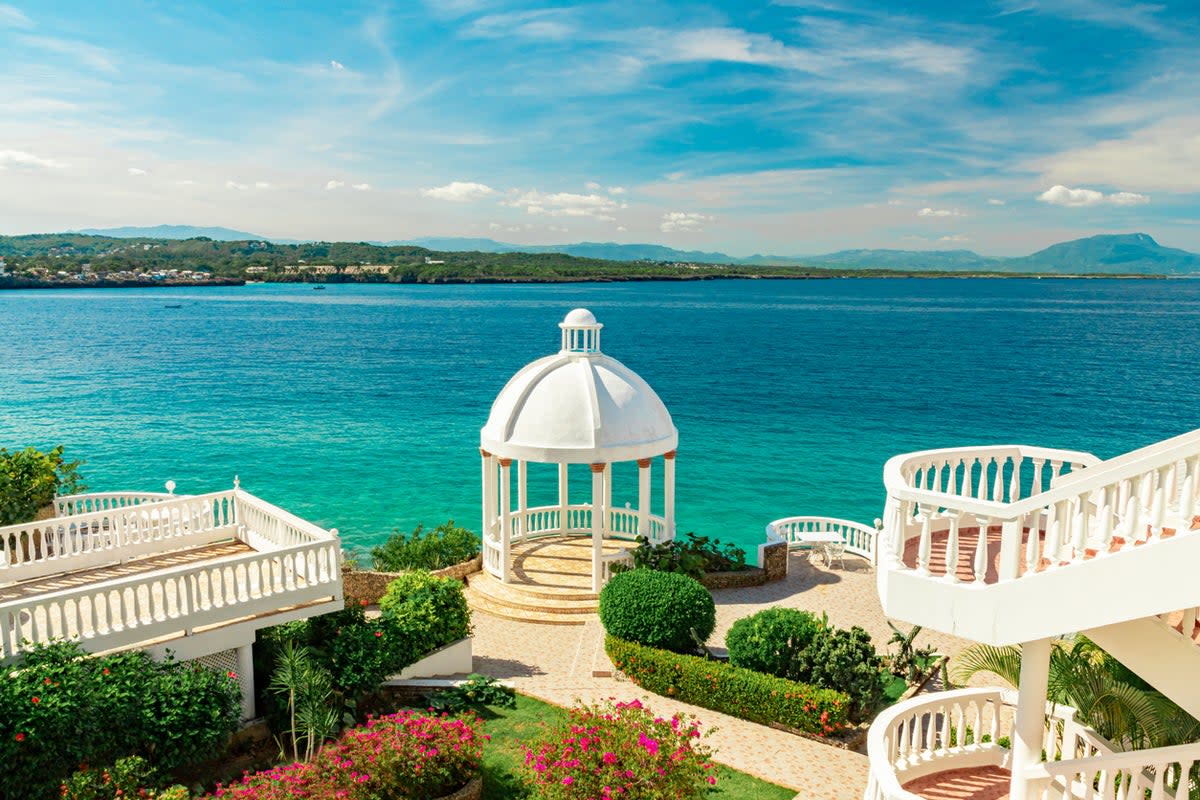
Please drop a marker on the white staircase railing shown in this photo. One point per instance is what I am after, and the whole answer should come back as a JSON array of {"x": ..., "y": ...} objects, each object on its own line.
[
  {"x": 1095, "y": 508},
  {"x": 964, "y": 729},
  {"x": 1164, "y": 773},
  {"x": 85, "y": 503}
]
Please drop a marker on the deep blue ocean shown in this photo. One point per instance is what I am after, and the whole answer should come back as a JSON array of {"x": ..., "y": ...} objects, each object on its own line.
[{"x": 359, "y": 407}]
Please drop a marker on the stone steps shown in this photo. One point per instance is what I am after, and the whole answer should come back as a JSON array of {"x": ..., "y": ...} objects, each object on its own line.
[{"x": 540, "y": 604}]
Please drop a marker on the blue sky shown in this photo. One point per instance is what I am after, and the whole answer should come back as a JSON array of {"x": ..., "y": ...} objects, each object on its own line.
[{"x": 784, "y": 127}]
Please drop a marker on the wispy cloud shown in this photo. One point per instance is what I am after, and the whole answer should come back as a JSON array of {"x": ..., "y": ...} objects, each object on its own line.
[
  {"x": 460, "y": 192},
  {"x": 13, "y": 17},
  {"x": 1080, "y": 198},
  {"x": 136, "y": 171},
  {"x": 334, "y": 184},
  {"x": 21, "y": 158},
  {"x": 539, "y": 24},
  {"x": 939, "y": 212},
  {"x": 362, "y": 187},
  {"x": 566, "y": 204}
]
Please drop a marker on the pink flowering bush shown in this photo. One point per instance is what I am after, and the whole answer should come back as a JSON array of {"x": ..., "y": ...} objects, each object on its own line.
[
  {"x": 401, "y": 756},
  {"x": 620, "y": 750}
]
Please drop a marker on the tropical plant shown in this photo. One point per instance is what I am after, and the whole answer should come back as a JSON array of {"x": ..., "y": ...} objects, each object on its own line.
[
  {"x": 308, "y": 690},
  {"x": 845, "y": 660},
  {"x": 1104, "y": 693},
  {"x": 772, "y": 640},
  {"x": 477, "y": 692},
  {"x": 659, "y": 609},
  {"x": 129, "y": 777},
  {"x": 29, "y": 480},
  {"x": 909, "y": 661},
  {"x": 444, "y": 546},
  {"x": 691, "y": 555},
  {"x": 619, "y": 750}
]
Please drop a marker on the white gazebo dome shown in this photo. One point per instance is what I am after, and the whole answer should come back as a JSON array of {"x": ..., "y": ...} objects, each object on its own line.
[{"x": 578, "y": 406}]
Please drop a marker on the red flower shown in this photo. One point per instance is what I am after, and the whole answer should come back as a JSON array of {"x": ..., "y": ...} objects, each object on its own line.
[
  {"x": 106, "y": 670},
  {"x": 363, "y": 603},
  {"x": 378, "y": 634},
  {"x": 37, "y": 700},
  {"x": 20, "y": 737},
  {"x": 232, "y": 675},
  {"x": 46, "y": 681}
]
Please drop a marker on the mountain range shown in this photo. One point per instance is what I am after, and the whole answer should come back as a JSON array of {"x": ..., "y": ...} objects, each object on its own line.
[{"x": 1132, "y": 253}]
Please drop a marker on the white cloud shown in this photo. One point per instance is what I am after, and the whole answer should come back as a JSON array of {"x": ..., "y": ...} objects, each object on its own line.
[
  {"x": 683, "y": 222},
  {"x": 187, "y": 182},
  {"x": 241, "y": 187},
  {"x": 21, "y": 158},
  {"x": 1060, "y": 195},
  {"x": 620, "y": 227},
  {"x": 956, "y": 237},
  {"x": 616, "y": 190},
  {"x": 1164, "y": 157},
  {"x": 334, "y": 184},
  {"x": 992, "y": 201},
  {"x": 541, "y": 24},
  {"x": 261, "y": 185},
  {"x": 337, "y": 66},
  {"x": 13, "y": 17},
  {"x": 566, "y": 204},
  {"x": 362, "y": 187},
  {"x": 460, "y": 192},
  {"x": 136, "y": 171},
  {"x": 592, "y": 186},
  {"x": 939, "y": 212}
]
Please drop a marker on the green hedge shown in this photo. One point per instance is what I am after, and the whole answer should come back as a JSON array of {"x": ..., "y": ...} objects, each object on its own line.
[
  {"x": 730, "y": 690},
  {"x": 658, "y": 609}
]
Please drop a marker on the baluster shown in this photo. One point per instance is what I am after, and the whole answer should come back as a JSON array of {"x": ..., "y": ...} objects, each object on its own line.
[
  {"x": 1158, "y": 503},
  {"x": 1133, "y": 517},
  {"x": 1056, "y": 469},
  {"x": 926, "y": 542},
  {"x": 1033, "y": 542},
  {"x": 1037, "y": 487},
  {"x": 1187, "y": 497},
  {"x": 981, "y": 551},
  {"x": 981, "y": 485},
  {"x": 1014, "y": 482},
  {"x": 1053, "y": 533},
  {"x": 944, "y": 733},
  {"x": 998, "y": 481},
  {"x": 1079, "y": 527},
  {"x": 952, "y": 476},
  {"x": 952, "y": 548}
]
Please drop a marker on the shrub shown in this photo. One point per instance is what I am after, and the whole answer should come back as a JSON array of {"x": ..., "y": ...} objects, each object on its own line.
[
  {"x": 444, "y": 546},
  {"x": 399, "y": 756},
  {"x": 658, "y": 609},
  {"x": 477, "y": 692},
  {"x": 60, "y": 708},
  {"x": 619, "y": 749},
  {"x": 730, "y": 690},
  {"x": 846, "y": 660},
  {"x": 30, "y": 478},
  {"x": 772, "y": 641},
  {"x": 692, "y": 556},
  {"x": 428, "y": 611},
  {"x": 129, "y": 777}
]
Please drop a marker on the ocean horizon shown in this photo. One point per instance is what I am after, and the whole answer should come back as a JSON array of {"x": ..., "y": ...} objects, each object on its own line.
[{"x": 359, "y": 407}]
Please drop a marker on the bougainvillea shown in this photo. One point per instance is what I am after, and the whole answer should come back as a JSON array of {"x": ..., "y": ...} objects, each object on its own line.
[{"x": 620, "y": 750}]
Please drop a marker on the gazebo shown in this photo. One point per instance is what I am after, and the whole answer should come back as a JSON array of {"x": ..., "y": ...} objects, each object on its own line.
[{"x": 577, "y": 406}]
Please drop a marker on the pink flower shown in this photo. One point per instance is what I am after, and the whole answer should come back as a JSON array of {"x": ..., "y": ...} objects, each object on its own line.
[
  {"x": 567, "y": 780},
  {"x": 610, "y": 758},
  {"x": 711, "y": 780}
]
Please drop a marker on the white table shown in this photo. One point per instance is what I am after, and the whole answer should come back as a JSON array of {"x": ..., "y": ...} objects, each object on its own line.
[{"x": 826, "y": 540}]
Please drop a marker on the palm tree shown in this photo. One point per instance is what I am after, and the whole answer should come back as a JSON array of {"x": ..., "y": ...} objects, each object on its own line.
[{"x": 1108, "y": 697}]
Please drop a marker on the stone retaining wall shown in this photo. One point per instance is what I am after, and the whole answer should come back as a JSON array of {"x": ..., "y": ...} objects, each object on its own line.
[
  {"x": 369, "y": 585},
  {"x": 775, "y": 561},
  {"x": 741, "y": 579}
]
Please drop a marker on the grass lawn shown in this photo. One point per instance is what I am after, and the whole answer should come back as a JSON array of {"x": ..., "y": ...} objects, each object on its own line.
[{"x": 509, "y": 726}]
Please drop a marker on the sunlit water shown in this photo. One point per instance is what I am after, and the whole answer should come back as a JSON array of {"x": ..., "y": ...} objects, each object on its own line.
[{"x": 359, "y": 407}]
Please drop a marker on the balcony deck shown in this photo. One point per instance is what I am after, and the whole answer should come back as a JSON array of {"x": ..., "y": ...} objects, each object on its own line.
[
  {"x": 128, "y": 574},
  {"x": 981, "y": 783}
]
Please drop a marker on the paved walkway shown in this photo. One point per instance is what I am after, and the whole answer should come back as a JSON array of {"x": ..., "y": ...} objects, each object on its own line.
[{"x": 555, "y": 663}]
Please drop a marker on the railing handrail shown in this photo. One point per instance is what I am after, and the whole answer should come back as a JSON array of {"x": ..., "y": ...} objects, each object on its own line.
[
  {"x": 848, "y": 523},
  {"x": 1125, "y": 759},
  {"x": 88, "y": 516},
  {"x": 774, "y": 535},
  {"x": 159, "y": 574},
  {"x": 1096, "y": 476},
  {"x": 319, "y": 533}
]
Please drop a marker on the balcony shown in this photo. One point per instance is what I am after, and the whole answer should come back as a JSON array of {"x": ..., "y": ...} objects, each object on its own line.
[{"x": 159, "y": 570}]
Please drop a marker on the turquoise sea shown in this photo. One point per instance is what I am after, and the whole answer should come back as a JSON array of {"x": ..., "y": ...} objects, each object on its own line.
[{"x": 359, "y": 407}]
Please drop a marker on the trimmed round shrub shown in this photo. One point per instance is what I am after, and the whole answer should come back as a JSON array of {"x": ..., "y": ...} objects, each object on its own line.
[
  {"x": 428, "y": 611},
  {"x": 772, "y": 641},
  {"x": 657, "y": 609}
]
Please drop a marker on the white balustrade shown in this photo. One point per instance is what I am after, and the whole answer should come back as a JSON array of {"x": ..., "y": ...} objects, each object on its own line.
[
  {"x": 82, "y": 541},
  {"x": 122, "y": 612},
  {"x": 1083, "y": 507},
  {"x": 967, "y": 729},
  {"x": 272, "y": 527},
  {"x": 623, "y": 557},
  {"x": 622, "y": 523},
  {"x": 68, "y": 505},
  {"x": 859, "y": 539}
]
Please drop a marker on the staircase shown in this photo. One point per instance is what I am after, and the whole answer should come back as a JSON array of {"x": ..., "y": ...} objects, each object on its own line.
[{"x": 530, "y": 602}]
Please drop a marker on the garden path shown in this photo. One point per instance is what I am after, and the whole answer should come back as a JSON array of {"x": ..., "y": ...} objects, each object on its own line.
[{"x": 559, "y": 664}]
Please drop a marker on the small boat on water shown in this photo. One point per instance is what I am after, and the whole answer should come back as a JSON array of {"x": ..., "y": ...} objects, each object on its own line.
[
  {"x": 319, "y": 287},
  {"x": 173, "y": 306}
]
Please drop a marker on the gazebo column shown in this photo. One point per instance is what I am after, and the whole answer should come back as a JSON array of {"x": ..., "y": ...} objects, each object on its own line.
[
  {"x": 644, "y": 497},
  {"x": 608, "y": 482},
  {"x": 669, "y": 494},
  {"x": 564, "y": 499},
  {"x": 598, "y": 471},
  {"x": 505, "y": 518},
  {"x": 489, "y": 490},
  {"x": 522, "y": 524}
]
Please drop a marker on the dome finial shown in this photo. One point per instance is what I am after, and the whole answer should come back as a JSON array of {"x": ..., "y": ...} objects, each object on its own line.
[{"x": 580, "y": 332}]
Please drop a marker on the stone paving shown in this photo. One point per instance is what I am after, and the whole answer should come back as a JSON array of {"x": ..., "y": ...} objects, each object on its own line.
[{"x": 556, "y": 664}]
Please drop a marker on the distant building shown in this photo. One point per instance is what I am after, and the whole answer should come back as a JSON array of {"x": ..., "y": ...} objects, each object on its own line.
[{"x": 429, "y": 260}]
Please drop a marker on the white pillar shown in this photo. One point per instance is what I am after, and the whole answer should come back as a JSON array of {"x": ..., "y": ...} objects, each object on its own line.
[
  {"x": 564, "y": 497},
  {"x": 644, "y": 497},
  {"x": 608, "y": 482},
  {"x": 487, "y": 481},
  {"x": 597, "y": 523},
  {"x": 669, "y": 494},
  {"x": 1029, "y": 726},
  {"x": 245, "y": 673},
  {"x": 522, "y": 498},
  {"x": 505, "y": 518}
]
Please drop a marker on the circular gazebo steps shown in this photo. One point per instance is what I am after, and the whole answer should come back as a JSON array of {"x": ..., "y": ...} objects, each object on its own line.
[
  {"x": 973, "y": 783},
  {"x": 489, "y": 605},
  {"x": 536, "y": 595}
]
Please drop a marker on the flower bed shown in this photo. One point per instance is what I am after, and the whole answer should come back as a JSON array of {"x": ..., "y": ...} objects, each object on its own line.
[
  {"x": 402, "y": 755},
  {"x": 619, "y": 749},
  {"x": 730, "y": 690}
]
